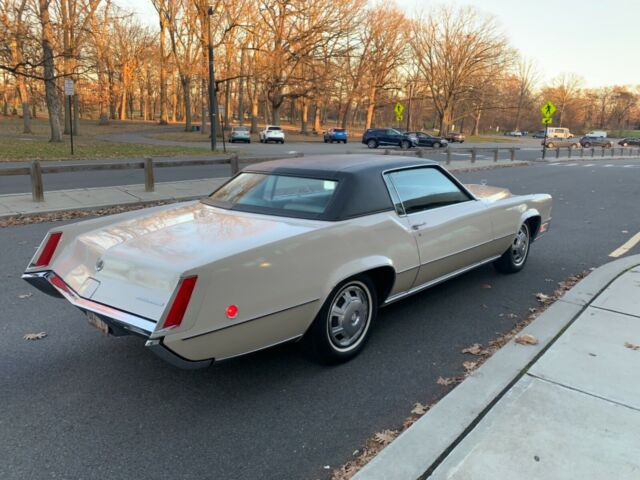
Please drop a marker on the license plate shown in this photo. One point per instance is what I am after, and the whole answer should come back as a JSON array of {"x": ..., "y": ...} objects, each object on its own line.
[{"x": 98, "y": 323}]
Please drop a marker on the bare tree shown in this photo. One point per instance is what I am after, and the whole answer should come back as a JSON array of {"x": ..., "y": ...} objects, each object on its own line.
[
  {"x": 51, "y": 95},
  {"x": 456, "y": 49}
]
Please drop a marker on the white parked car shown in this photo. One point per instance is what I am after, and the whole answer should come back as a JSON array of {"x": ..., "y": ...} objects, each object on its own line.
[
  {"x": 272, "y": 133},
  {"x": 514, "y": 133},
  {"x": 295, "y": 249}
]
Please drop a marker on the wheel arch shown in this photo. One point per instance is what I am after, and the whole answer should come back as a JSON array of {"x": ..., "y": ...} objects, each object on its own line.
[{"x": 533, "y": 219}]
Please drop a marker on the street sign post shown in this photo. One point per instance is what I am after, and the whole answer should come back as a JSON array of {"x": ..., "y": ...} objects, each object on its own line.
[
  {"x": 69, "y": 91},
  {"x": 547, "y": 110},
  {"x": 399, "y": 111}
]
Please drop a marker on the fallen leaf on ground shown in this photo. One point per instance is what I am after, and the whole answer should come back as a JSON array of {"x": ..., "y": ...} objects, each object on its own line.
[
  {"x": 526, "y": 339},
  {"x": 632, "y": 346},
  {"x": 548, "y": 279},
  {"x": 541, "y": 297},
  {"x": 469, "y": 365},
  {"x": 486, "y": 285},
  {"x": 475, "y": 349},
  {"x": 35, "y": 336},
  {"x": 448, "y": 380},
  {"x": 419, "y": 409},
  {"x": 385, "y": 437},
  {"x": 25, "y": 295}
]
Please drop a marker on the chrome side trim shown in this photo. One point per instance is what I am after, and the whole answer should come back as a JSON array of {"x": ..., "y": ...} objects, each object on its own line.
[
  {"x": 249, "y": 320},
  {"x": 435, "y": 281},
  {"x": 125, "y": 320},
  {"x": 466, "y": 250}
]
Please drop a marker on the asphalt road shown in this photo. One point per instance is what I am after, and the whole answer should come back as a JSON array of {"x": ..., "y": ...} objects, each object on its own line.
[
  {"x": 63, "y": 181},
  {"x": 79, "y": 405}
]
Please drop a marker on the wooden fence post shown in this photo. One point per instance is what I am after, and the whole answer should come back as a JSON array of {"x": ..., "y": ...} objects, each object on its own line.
[
  {"x": 37, "y": 189},
  {"x": 448, "y": 156},
  {"x": 149, "y": 180},
  {"x": 233, "y": 160},
  {"x": 473, "y": 155},
  {"x": 512, "y": 154},
  {"x": 496, "y": 152}
]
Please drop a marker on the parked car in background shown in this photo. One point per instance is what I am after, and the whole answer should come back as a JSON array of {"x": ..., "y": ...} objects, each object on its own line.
[
  {"x": 596, "y": 133},
  {"x": 454, "y": 137},
  {"x": 271, "y": 133},
  {"x": 513, "y": 133},
  {"x": 630, "y": 141},
  {"x": 296, "y": 249},
  {"x": 560, "y": 142},
  {"x": 381, "y": 137},
  {"x": 559, "y": 132},
  {"x": 587, "y": 142},
  {"x": 335, "y": 135},
  {"x": 240, "y": 134},
  {"x": 422, "y": 139},
  {"x": 538, "y": 134}
]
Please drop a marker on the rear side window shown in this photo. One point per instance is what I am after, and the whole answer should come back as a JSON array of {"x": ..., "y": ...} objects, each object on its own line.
[{"x": 420, "y": 189}]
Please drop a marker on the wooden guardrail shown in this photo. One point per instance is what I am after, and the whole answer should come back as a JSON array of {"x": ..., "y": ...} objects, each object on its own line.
[{"x": 36, "y": 170}]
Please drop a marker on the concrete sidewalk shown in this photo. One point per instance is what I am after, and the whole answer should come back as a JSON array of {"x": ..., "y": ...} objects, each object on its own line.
[
  {"x": 22, "y": 204},
  {"x": 566, "y": 408}
]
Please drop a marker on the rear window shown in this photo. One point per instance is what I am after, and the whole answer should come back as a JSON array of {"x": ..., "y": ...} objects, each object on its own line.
[
  {"x": 338, "y": 130},
  {"x": 274, "y": 128},
  {"x": 281, "y": 195}
]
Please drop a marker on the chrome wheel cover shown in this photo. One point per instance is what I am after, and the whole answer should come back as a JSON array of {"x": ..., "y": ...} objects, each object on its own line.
[
  {"x": 520, "y": 246},
  {"x": 349, "y": 316}
]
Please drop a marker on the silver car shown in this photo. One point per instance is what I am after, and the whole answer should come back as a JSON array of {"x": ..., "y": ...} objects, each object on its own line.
[
  {"x": 240, "y": 134},
  {"x": 296, "y": 249}
]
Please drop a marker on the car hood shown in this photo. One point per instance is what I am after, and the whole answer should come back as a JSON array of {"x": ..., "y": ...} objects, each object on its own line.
[{"x": 136, "y": 264}]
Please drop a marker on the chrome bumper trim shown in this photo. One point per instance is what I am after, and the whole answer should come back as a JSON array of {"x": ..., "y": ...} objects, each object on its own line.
[{"x": 117, "y": 318}]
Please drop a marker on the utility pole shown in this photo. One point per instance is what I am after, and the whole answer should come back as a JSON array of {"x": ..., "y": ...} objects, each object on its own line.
[{"x": 213, "y": 104}]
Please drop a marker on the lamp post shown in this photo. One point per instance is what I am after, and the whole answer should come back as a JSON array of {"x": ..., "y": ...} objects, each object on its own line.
[{"x": 213, "y": 110}]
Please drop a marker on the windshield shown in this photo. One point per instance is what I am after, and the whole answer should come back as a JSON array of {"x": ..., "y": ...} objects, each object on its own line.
[{"x": 281, "y": 195}]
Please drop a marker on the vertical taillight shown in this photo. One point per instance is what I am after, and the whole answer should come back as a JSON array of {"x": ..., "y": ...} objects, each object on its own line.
[
  {"x": 180, "y": 302},
  {"x": 49, "y": 249}
]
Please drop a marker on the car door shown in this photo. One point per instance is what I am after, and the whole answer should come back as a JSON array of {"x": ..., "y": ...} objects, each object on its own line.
[
  {"x": 391, "y": 137},
  {"x": 451, "y": 228}
]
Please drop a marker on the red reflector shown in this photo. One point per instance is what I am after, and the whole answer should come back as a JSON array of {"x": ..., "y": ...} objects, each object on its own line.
[
  {"x": 49, "y": 249},
  {"x": 180, "y": 302},
  {"x": 58, "y": 282},
  {"x": 232, "y": 311}
]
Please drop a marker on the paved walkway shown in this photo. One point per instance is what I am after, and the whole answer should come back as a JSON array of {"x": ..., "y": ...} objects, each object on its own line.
[{"x": 566, "y": 408}]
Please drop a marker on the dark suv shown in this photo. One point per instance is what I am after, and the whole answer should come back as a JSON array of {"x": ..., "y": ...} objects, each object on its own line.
[
  {"x": 604, "y": 142},
  {"x": 381, "y": 137}
]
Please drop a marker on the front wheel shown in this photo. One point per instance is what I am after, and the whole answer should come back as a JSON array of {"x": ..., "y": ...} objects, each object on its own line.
[
  {"x": 515, "y": 257},
  {"x": 342, "y": 326},
  {"x": 586, "y": 144},
  {"x": 404, "y": 145},
  {"x": 437, "y": 145}
]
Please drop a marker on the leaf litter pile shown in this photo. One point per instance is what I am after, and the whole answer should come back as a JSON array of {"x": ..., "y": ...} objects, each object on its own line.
[
  {"x": 481, "y": 353},
  {"x": 74, "y": 214}
]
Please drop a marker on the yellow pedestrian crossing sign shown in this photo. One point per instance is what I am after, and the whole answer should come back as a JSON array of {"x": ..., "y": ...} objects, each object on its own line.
[
  {"x": 399, "y": 111},
  {"x": 547, "y": 121},
  {"x": 548, "y": 109}
]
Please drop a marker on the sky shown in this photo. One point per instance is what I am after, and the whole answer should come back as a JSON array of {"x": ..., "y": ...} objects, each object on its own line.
[{"x": 596, "y": 39}]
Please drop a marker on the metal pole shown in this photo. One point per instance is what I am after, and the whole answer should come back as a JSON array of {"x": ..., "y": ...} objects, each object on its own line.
[
  {"x": 544, "y": 141},
  {"x": 212, "y": 84},
  {"x": 71, "y": 122}
]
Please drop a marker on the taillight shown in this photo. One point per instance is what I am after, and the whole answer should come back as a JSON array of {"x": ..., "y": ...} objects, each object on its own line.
[
  {"x": 180, "y": 302},
  {"x": 232, "y": 311},
  {"x": 49, "y": 249}
]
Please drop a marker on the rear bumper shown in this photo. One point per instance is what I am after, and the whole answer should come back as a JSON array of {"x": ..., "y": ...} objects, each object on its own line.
[{"x": 119, "y": 322}]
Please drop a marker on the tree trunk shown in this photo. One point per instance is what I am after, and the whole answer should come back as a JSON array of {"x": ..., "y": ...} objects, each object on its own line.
[
  {"x": 476, "y": 122},
  {"x": 123, "y": 94},
  {"x": 164, "y": 118},
  {"x": 305, "y": 116},
  {"x": 241, "y": 90},
  {"x": 186, "y": 92},
  {"x": 227, "y": 103},
  {"x": 254, "y": 113},
  {"x": 445, "y": 120},
  {"x": 371, "y": 108},
  {"x": 316, "y": 118},
  {"x": 24, "y": 98},
  {"x": 51, "y": 96}
]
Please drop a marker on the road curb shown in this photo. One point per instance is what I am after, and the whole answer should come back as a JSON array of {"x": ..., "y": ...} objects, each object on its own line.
[
  {"x": 584, "y": 159},
  {"x": 420, "y": 449}
]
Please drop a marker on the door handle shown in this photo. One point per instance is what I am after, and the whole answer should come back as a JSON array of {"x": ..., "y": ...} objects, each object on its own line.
[{"x": 418, "y": 225}]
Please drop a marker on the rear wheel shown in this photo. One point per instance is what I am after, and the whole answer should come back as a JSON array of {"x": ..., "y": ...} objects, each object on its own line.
[
  {"x": 342, "y": 326},
  {"x": 437, "y": 145},
  {"x": 625, "y": 144},
  {"x": 344, "y": 141},
  {"x": 515, "y": 257},
  {"x": 372, "y": 144},
  {"x": 404, "y": 145}
]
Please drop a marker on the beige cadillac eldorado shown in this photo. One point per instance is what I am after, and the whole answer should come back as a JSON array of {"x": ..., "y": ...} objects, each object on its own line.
[{"x": 297, "y": 249}]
